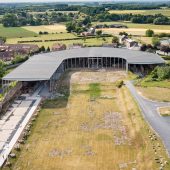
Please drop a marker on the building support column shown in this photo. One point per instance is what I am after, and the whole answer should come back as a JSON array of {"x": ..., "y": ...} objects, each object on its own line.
[
  {"x": 114, "y": 62},
  {"x": 118, "y": 63},
  {"x": 71, "y": 63},
  {"x": 127, "y": 65}
]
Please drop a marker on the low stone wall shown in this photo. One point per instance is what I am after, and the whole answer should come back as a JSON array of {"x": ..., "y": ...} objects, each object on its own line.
[{"x": 14, "y": 92}]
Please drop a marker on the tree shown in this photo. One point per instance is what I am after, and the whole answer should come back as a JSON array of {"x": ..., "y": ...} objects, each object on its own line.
[
  {"x": 10, "y": 20},
  {"x": 143, "y": 47},
  {"x": 86, "y": 21},
  {"x": 3, "y": 39},
  {"x": 42, "y": 49},
  {"x": 149, "y": 33},
  {"x": 123, "y": 33},
  {"x": 2, "y": 68},
  {"x": 115, "y": 39},
  {"x": 155, "y": 42},
  {"x": 84, "y": 38},
  {"x": 70, "y": 26},
  {"x": 48, "y": 49},
  {"x": 98, "y": 33}
]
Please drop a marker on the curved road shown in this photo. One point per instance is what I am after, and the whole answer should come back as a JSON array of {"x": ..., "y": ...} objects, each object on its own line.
[{"x": 160, "y": 124}]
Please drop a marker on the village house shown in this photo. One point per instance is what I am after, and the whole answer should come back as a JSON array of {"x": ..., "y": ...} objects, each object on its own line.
[
  {"x": 6, "y": 55},
  {"x": 20, "y": 48},
  {"x": 128, "y": 42},
  {"x": 75, "y": 46},
  {"x": 58, "y": 47},
  {"x": 8, "y": 51},
  {"x": 90, "y": 32},
  {"x": 165, "y": 42}
]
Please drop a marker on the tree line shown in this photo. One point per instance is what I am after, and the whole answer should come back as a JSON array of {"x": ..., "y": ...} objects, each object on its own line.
[{"x": 24, "y": 18}]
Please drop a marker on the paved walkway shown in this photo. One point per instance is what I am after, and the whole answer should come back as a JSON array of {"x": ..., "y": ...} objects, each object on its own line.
[
  {"x": 160, "y": 124},
  {"x": 13, "y": 123}
]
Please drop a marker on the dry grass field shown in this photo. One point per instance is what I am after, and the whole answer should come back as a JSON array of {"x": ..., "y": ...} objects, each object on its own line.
[
  {"x": 165, "y": 111},
  {"x": 132, "y": 31},
  {"x": 97, "y": 127},
  {"x": 155, "y": 93},
  {"x": 49, "y": 28},
  {"x": 165, "y": 12},
  {"x": 89, "y": 42}
]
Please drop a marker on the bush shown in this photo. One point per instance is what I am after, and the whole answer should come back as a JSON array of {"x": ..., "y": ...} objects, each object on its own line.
[
  {"x": 159, "y": 73},
  {"x": 119, "y": 84},
  {"x": 149, "y": 33}
]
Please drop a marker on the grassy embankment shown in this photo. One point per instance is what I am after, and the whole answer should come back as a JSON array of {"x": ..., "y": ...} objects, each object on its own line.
[{"x": 154, "y": 86}]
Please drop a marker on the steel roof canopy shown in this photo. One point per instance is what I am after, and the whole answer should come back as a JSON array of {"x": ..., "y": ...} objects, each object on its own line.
[{"x": 42, "y": 66}]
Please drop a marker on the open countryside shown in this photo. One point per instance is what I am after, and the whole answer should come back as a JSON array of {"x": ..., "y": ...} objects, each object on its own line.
[
  {"x": 85, "y": 85},
  {"x": 165, "y": 12}
]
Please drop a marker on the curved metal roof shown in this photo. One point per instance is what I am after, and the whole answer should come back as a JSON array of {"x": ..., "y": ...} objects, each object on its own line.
[{"x": 43, "y": 66}]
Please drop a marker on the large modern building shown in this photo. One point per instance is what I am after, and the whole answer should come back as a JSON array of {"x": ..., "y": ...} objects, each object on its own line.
[{"x": 49, "y": 66}]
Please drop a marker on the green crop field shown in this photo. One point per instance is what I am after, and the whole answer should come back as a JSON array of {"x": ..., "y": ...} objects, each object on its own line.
[
  {"x": 165, "y": 12},
  {"x": 90, "y": 42},
  {"x": 14, "y": 32}
]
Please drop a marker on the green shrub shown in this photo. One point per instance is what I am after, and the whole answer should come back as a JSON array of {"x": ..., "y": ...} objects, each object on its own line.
[
  {"x": 159, "y": 73},
  {"x": 119, "y": 84}
]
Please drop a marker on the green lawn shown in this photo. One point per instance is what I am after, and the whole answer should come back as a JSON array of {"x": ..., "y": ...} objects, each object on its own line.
[
  {"x": 95, "y": 90},
  {"x": 14, "y": 32},
  {"x": 165, "y": 12}
]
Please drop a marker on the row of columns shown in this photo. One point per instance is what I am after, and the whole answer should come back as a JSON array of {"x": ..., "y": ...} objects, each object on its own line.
[
  {"x": 95, "y": 62},
  {"x": 107, "y": 62}
]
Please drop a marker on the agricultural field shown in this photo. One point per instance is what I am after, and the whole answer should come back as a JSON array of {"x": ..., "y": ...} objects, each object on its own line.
[
  {"x": 49, "y": 28},
  {"x": 165, "y": 12},
  {"x": 135, "y": 29},
  {"x": 15, "y": 32},
  {"x": 65, "y": 12},
  {"x": 143, "y": 39},
  {"x": 90, "y": 42},
  {"x": 97, "y": 127}
]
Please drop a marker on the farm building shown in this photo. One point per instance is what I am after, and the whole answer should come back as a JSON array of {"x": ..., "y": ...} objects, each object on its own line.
[
  {"x": 58, "y": 47},
  {"x": 48, "y": 67}
]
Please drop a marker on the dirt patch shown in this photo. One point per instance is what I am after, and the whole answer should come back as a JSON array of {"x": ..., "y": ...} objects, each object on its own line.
[{"x": 100, "y": 76}]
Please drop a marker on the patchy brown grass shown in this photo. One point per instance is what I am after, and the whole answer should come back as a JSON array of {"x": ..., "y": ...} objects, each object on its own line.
[
  {"x": 75, "y": 133},
  {"x": 164, "y": 111},
  {"x": 155, "y": 93}
]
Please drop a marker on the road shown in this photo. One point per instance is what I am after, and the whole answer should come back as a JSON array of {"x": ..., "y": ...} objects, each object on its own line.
[{"x": 160, "y": 124}]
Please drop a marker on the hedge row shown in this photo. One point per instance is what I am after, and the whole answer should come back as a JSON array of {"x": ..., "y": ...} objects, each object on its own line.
[
  {"x": 64, "y": 39},
  {"x": 30, "y": 41}
]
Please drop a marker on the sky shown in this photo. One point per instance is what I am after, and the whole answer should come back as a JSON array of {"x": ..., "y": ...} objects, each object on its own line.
[{"x": 6, "y": 1}]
